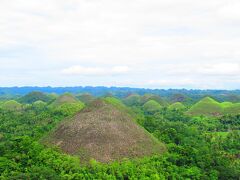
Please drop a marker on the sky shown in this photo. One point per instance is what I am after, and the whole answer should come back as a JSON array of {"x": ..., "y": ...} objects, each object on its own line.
[{"x": 188, "y": 44}]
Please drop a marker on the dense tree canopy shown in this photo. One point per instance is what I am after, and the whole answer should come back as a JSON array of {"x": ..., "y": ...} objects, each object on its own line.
[{"x": 199, "y": 147}]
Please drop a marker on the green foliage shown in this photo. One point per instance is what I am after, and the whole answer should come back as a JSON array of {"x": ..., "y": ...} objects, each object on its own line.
[
  {"x": 68, "y": 109},
  {"x": 11, "y": 105},
  {"x": 116, "y": 102},
  {"x": 203, "y": 147},
  {"x": 152, "y": 107},
  {"x": 39, "y": 105},
  {"x": 132, "y": 100},
  {"x": 34, "y": 96}
]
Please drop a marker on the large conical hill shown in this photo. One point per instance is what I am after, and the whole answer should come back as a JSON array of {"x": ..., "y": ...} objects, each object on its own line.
[{"x": 104, "y": 132}]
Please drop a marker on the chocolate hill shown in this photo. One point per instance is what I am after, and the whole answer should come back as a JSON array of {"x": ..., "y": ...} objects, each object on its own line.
[{"x": 104, "y": 132}]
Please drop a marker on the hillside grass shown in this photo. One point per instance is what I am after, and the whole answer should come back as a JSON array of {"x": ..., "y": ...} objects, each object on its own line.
[
  {"x": 177, "y": 106},
  {"x": 152, "y": 106},
  {"x": 65, "y": 98},
  {"x": 207, "y": 106}
]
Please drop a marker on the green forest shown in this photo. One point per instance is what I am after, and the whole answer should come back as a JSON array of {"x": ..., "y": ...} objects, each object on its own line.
[{"x": 199, "y": 135}]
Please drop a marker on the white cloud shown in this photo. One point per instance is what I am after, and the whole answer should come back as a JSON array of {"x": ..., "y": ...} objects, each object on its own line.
[
  {"x": 186, "y": 82},
  {"x": 96, "y": 71},
  {"x": 230, "y": 10},
  {"x": 170, "y": 42},
  {"x": 222, "y": 69}
]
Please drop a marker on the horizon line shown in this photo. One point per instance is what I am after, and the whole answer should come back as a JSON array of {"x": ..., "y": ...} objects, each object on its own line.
[{"x": 120, "y": 87}]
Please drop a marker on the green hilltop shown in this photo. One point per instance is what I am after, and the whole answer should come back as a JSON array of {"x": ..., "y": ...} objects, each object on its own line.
[
  {"x": 226, "y": 104},
  {"x": 34, "y": 96},
  {"x": 158, "y": 99},
  {"x": 116, "y": 102},
  {"x": 132, "y": 100},
  {"x": 177, "y": 106},
  {"x": 207, "y": 106},
  {"x": 210, "y": 107},
  {"x": 11, "y": 105},
  {"x": 232, "y": 109},
  {"x": 151, "y": 106},
  {"x": 65, "y": 98},
  {"x": 66, "y": 104}
]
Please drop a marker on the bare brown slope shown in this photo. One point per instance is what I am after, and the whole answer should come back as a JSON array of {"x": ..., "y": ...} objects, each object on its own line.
[{"x": 104, "y": 133}]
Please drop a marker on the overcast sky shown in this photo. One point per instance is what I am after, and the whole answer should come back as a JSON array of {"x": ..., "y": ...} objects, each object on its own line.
[{"x": 136, "y": 43}]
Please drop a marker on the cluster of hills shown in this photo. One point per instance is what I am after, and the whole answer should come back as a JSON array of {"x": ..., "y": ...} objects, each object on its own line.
[
  {"x": 105, "y": 128},
  {"x": 151, "y": 103}
]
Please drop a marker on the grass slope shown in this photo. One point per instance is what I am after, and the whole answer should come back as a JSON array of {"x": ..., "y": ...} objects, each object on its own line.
[
  {"x": 232, "y": 109},
  {"x": 151, "y": 106},
  {"x": 226, "y": 104},
  {"x": 207, "y": 106},
  {"x": 11, "y": 105},
  {"x": 132, "y": 100},
  {"x": 65, "y": 98},
  {"x": 177, "y": 105},
  {"x": 104, "y": 132},
  {"x": 147, "y": 97},
  {"x": 86, "y": 98}
]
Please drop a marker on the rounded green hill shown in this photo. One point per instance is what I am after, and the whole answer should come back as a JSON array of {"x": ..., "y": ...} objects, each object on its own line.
[
  {"x": 151, "y": 106},
  {"x": 39, "y": 104},
  {"x": 11, "y": 106},
  {"x": 34, "y": 96},
  {"x": 226, "y": 104},
  {"x": 67, "y": 105},
  {"x": 207, "y": 106},
  {"x": 177, "y": 106},
  {"x": 132, "y": 100},
  {"x": 232, "y": 109},
  {"x": 65, "y": 98},
  {"x": 147, "y": 97}
]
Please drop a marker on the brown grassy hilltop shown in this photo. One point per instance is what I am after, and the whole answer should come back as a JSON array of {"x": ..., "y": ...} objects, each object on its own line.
[
  {"x": 65, "y": 98},
  {"x": 103, "y": 132}
]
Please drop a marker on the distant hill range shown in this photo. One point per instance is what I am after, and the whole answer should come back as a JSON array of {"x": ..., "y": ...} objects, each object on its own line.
[{"x": 175, "y": 95}]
